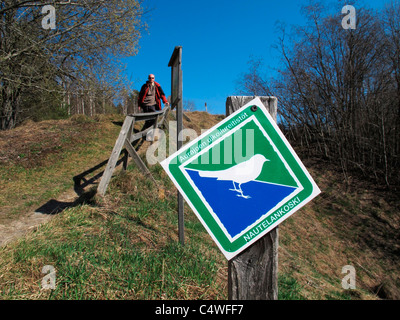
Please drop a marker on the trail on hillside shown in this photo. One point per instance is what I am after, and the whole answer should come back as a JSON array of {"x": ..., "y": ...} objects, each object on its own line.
[
  {"x": 39, "y": 159},
  {"x": 32, "y": 143},
  {"x": 14, "y": 228}
]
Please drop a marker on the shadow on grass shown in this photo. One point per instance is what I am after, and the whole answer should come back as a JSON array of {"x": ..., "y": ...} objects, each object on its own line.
[
  {"x": 81, "y": 182},
  {"x": 53, "y": 206}
]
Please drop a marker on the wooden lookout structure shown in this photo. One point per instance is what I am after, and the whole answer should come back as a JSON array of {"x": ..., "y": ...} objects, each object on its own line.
[{"x": 127, "y": 138}]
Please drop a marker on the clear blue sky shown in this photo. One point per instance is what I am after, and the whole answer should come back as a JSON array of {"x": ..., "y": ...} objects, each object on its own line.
[{"x": 218, "y": 38}]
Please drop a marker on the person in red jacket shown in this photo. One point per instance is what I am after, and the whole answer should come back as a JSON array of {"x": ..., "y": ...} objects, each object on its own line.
[{"x": 150, "y": 96}]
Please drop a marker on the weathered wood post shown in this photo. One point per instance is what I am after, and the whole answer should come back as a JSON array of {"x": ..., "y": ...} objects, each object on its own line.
[
  {"x": 112, "y": 161},
  {"x": 253, "y": 273},
  {"x": 177, "y": 102}
]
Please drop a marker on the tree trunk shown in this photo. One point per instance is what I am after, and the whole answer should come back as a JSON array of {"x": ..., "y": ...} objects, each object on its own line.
[{"x": 9, "y": 109}]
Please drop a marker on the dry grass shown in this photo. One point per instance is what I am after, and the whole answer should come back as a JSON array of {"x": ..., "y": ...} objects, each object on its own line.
[
  {"x": 123, "y": 246},
  {"x": 31, "y": 143},
  {"x": 201, "y": 120},
  {"x": 39, "y": 160},
  {"x": 335, "y": 230}
]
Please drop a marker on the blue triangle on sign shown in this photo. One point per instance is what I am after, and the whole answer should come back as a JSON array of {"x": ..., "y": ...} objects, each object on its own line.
[{"x": 236, "y": 213}]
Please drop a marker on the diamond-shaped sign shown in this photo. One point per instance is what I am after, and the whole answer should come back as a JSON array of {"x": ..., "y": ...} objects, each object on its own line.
[{"x": 241, "y": 178}]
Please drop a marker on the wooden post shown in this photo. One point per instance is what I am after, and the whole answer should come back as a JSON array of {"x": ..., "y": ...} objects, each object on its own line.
[
  {"x": 126, "y": 153},
  {"x": 112, "y": 161},
  {"x": 253, "y": 273},
  {"x": 176, "y": 101},
  {"x": 179, "y": 143}
]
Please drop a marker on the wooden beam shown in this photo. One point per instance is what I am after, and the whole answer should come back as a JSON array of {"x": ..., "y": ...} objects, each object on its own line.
[
  {"x": 179, "y": 143},
  {"x": 141, "y": 165},
  {"x": 140, "y": 135},
  {"x": 105, "y": 180},
  {"x": 146, "y": 116},
  {"x": 175, "y": 55},
  {"x": 128, "y": 137},
  {"x": 160, "y": 118}
]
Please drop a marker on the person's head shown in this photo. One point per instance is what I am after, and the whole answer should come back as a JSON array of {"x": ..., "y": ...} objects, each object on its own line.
[{"x": 151, "y": 78}]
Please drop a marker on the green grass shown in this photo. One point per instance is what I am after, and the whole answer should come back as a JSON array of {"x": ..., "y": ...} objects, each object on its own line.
[
  {"x": 122, "y": 256},
  {"x": 125, "y": 245},
  {"x": 288, "y": 288},
  {"x": 26, "y": 185}
]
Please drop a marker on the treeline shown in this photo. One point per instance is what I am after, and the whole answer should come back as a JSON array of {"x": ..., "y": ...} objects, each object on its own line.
[
  {"x": 59, "y": 58},
  {"x": 339, "y": 89}
]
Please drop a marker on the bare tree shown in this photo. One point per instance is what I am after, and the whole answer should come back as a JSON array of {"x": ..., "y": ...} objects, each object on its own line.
[
  {"x": 189, "y": 105},
  {"x": 338, "y": 89},
  {"x": 253, "y": 82},
  {"x": 88, "y": 34}
]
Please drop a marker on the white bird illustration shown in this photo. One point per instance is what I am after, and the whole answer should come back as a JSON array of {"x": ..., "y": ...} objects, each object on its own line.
[{"x": 240, "y": 173}]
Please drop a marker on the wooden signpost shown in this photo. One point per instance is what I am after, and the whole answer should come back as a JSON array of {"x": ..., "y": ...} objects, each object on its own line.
[
  {"x": 242, "y": 179},
  {"x": 253, "y": 273},
  {"x": 176, "y": 102}
]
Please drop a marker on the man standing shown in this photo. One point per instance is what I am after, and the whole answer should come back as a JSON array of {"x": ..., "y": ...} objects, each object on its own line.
[
  {"x": 150, "y": 96},
  {"x": 149, "y": 100}
]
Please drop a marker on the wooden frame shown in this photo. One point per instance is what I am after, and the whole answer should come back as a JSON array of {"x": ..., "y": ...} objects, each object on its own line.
[{"x": 125, "y": 139}]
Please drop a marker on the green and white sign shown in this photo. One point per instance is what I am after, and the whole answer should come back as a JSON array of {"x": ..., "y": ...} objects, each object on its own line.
[{"x": 241, "y": 178}]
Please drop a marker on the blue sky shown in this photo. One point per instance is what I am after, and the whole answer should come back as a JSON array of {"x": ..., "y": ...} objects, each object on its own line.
[{"x": 218, "y": 38}]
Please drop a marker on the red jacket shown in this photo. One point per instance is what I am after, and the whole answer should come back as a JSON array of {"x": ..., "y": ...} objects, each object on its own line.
[{"x": 159, "y": 94}]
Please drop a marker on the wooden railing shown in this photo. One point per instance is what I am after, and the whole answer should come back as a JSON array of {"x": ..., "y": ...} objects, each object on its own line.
[{"x": 126, "y": 138}]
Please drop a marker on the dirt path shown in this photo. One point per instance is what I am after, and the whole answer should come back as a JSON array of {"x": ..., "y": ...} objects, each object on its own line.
[
  {"x": 12, "y": 229},
  {"x": 36, "y": 140}
]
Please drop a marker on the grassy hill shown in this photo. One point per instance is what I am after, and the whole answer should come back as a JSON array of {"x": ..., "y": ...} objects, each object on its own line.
[{"x": 125, "y": 245}]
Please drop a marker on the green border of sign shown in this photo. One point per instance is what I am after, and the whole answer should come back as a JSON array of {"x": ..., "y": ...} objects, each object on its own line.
[{"x": 258, "y": 229}]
